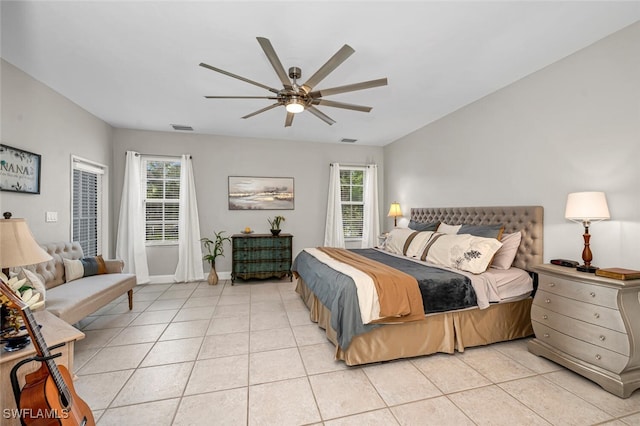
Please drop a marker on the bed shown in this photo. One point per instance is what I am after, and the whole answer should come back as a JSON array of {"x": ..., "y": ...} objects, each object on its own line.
[{"x": 446, "y": 331}]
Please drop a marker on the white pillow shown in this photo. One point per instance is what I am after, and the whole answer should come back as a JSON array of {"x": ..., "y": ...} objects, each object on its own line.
[
  {"x": 418, "y": 244},
  {"x": 463, "y": 251},
  {"x": 73, "y": 269},
  {"x": 396, "y": 240},
  {"x": 37, "y": 285},
  {"x": 504, "y": 257},
  {"x": 443, "y": 228}
]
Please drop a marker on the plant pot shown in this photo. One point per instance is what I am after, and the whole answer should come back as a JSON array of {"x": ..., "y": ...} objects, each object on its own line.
[
  {"x": 275, "y": 232},
  {"x": 212, "y": 279}
]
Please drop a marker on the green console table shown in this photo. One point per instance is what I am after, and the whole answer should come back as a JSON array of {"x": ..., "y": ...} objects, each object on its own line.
[{"x": 261, "y": 256}]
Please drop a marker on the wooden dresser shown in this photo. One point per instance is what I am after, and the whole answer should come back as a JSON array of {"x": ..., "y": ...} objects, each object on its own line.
[
  {"x": 261, "y": 256},
  {"x": 590, "y": 325}
]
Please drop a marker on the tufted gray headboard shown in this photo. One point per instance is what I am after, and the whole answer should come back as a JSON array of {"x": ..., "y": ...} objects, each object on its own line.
[{"x": 526, "y": 219}]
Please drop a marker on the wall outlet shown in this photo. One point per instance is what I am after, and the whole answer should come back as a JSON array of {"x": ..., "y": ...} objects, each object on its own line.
[{"x": 52, "y": 217}]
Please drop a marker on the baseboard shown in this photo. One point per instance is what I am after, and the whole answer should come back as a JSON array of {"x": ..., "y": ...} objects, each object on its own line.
[{"x": 168, "y": 279}]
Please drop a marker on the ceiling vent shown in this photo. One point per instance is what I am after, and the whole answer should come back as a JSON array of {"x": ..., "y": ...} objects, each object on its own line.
[
  {"x": 347, "y": 140},
  {"x": 182, "y": 127}
]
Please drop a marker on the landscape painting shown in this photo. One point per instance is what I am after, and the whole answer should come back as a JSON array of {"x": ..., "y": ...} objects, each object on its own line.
[{"x": 260, "y": 193}]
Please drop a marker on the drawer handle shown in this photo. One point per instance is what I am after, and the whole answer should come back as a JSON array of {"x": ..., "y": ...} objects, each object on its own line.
[
  {"x": 547, "y": 300},
  {"x": 545, "y": 316},
  {"x": 546, "y": 334},
  {"x": 603, "y": 338},
  {"x": 598, "y": 357},
  {"x": 596, "y": 315},
  {"x": 552, "y": 284},
  {"x": 592, "y": 294}
]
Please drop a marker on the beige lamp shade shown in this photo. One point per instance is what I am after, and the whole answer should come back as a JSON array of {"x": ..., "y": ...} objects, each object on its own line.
[
  {"x": 587, "y": 207},
  {"x": 394, "y": 210},
  {"x": 17, "y": 245}
]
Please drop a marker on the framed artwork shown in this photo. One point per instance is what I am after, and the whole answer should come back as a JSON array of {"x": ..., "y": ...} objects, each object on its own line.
[
  {"x": 19, "y": 170},
  {"x": 260, "y": 193}
]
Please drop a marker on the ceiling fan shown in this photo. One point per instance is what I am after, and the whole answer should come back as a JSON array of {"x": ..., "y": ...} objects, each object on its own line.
[{"x": 298, "y": 98}]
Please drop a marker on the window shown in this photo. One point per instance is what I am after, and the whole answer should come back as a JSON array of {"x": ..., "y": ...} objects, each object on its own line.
[
  {"x": 88, "y": 204},
  {"x": 161, "y": 191},
  {"x": 351, "y": 196}
]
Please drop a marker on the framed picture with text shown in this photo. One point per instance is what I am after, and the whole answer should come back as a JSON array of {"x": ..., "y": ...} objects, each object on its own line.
[{"x": 19, "y": 170}]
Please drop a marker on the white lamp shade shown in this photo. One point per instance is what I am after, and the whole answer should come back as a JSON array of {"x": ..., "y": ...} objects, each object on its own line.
[
  {"x": 17, "y": 245},
  {"x": 394, "y": 210},
  {"x": 587, "y": 206}
]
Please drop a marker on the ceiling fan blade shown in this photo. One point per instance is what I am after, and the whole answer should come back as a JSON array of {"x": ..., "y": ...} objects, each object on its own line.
[
  {"x": 241, "y": 97},
  {"x": 349, "y": 88},
  {"x": 246, "y": 80},
  {"x": 262, "y": 110},
  {"x": 275, "y": 61},
  {"x": 289, "y": 120},
  {"x": 334, "y": 104},
  {"x": 322, "y": 116},
  {"x": 333, "y": 63}
]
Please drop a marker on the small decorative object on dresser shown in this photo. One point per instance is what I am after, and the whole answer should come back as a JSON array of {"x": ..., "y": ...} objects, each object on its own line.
[
  {"x": 618, "y": 273},
  {"x": 589, "y": 324},
  {"x": 275, "y": 224}
]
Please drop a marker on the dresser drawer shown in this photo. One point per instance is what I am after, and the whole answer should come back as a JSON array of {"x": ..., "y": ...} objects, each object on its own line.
[
  {"x": 598, "y": 295},
  {"x": 593, "y": 314},
  {"x": 587, "y": 352},
  {"x": 599, "y": 336}
]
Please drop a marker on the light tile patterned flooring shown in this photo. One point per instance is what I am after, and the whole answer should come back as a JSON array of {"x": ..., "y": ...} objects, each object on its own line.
[{"x": 195, "y": 354}]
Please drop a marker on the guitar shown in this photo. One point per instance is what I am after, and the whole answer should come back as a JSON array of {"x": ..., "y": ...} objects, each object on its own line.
[{"x": 48, "y": 396}]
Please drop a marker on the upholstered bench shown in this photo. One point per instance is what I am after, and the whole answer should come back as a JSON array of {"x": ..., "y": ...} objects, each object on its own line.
[{"x": 74, "y": 300}]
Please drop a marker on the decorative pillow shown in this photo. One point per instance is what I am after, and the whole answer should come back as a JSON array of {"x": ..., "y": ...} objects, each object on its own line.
[
  {"x": 93, "y": 266},
  {"x": 463, "y": 251},
  {"x": 398, "y": 239},
  {"x": 37, "y": 285},
  {"x": 504, "y": 257},
  {"x": 418, "y": 243},
  {"x": 73, "y": 269},
  {"x": 444, "y": 228},
  {"x": 419, "y": 226},
  {"x": 487, "y": 231},
  {"x": 85, "y": 267}
]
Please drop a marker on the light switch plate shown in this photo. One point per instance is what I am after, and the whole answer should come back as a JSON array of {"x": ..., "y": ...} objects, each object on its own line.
[{"x": 52, "y": 217}]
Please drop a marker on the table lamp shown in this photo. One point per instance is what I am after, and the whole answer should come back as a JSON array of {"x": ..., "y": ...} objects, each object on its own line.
[
  {"x": 17, "y": 248},
  {"x": 586, "y": 207},
  {"x": 394, "y": 211}
]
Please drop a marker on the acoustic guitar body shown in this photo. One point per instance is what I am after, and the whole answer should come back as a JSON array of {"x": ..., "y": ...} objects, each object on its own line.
[{"x": 43, "y": 405}]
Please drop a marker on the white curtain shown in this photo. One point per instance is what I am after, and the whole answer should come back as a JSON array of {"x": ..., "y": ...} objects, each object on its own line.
[
  {"x": 371, "y": 219},
  {"x": 333, "y": 232},
  {"x": 189, "y": 249},
  {"x": 130, "y": 241}
]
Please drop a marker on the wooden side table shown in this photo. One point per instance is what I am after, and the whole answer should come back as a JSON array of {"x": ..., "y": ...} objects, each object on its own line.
[
  {"x": 261, "y": 256},
  {"x": 590, "y": 325},
  {"x": 55, "y": 331}
]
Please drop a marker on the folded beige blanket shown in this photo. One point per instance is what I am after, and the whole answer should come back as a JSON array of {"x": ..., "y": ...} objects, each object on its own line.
[{"x": 398, "y": 293}]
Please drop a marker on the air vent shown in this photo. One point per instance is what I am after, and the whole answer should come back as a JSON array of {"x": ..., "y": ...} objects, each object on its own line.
[
  {"x": 347, "y": 140},
  {"x": 182, "y": 127}
]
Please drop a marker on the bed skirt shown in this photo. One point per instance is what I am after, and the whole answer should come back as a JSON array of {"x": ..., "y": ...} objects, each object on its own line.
[{"x": 444, "y": 332}]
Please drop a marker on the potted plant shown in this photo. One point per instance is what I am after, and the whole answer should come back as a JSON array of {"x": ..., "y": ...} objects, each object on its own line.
[
  {"x": 275, "y": 224},
  {"x": 214, "y": 248}
]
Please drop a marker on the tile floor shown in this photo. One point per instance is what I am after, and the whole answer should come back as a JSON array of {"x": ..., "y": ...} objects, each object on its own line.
[{"x": 194, "y": 354}]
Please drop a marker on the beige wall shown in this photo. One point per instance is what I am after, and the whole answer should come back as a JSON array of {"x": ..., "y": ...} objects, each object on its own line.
[
  {"x": 215, "y": 158},
  {"x": 573, "y": 126},
  {"x": 35, "y": 118}
]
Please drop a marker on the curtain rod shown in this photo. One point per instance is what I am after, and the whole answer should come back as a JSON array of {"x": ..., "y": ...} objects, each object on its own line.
[
  {"x": 353, "y": 165},
  {"x": 138, "y": 154}
]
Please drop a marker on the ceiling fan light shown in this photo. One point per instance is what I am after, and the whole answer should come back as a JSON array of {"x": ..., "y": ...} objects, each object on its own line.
[{"x": 294, "y": 106}]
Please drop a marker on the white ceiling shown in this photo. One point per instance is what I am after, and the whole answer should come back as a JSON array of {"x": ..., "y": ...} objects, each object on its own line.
[{"x": 135, "y": 64}]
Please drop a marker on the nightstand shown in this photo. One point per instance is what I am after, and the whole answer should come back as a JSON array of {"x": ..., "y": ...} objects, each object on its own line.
[{"x": 589, "y": 324}]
